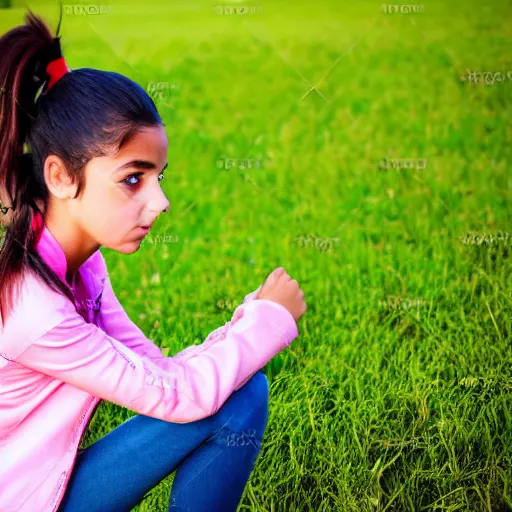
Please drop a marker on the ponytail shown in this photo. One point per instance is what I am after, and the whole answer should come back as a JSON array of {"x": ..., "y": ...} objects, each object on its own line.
[
  {"x": 26, "y": 51},
  {"x": 85, "y": 113}
]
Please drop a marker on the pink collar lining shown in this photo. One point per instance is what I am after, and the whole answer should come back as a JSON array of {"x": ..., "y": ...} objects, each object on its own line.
[{"x": 37, "y": 225}]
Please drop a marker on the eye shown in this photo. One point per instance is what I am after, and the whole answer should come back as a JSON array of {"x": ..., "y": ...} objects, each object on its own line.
[
  {"x": 129, "y": 183},
  {"x": 136, "y": 177}
]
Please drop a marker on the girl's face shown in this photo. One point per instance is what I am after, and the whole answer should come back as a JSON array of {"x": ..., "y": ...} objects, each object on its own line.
[{"x": 123, "y": 193}]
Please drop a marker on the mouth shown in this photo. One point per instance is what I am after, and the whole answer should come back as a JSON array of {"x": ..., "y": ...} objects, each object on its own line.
[{"x": 145, "y": 229}]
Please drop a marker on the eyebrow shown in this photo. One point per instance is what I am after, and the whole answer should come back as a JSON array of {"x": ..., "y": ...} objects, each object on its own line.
[{"x": 139, "y": 164}]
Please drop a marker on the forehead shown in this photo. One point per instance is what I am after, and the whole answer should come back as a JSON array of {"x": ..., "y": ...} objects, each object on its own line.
[
  {"x": 148, "y": 144},
  {"x": 151, "y": 140}
]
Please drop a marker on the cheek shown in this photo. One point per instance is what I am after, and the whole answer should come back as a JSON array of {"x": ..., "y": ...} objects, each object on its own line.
[
  {"x": 108, "y": 213},
  {"x": 115, "y": 221}
]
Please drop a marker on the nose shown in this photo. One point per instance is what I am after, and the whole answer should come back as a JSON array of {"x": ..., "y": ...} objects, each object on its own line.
[{"x": 159, "y": 202}]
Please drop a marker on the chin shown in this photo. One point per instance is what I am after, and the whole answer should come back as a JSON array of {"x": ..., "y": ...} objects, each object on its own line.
[{"x": 125, "y": 248}]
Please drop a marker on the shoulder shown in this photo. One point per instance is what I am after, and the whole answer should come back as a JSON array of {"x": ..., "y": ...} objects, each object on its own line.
[{"x": 37, "y": 308}]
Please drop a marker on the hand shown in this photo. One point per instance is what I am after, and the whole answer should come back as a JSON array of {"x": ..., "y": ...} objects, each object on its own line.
[{"x": 281, "y": 288}]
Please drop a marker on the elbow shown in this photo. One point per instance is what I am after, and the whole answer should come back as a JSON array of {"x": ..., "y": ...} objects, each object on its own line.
[
  {"x": 190, "y": 417},
  {"x": 191, "y": 411}
]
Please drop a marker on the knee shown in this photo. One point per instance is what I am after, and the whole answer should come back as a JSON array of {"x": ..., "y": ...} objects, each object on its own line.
[
  {"x": 257, "y": 390},
  {"x": 252, "y": 398},
  {"x": 247, "y": 409}
]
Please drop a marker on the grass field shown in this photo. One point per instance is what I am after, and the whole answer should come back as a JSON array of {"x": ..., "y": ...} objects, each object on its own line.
[{"x": 397, "y": 394}]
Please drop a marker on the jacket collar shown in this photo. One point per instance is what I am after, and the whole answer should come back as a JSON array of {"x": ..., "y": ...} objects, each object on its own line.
[{"x": 52, "y": 253}]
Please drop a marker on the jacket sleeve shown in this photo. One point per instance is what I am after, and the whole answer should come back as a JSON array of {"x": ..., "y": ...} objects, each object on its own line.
[
  {"x": 114, "y": 320},
  {"x": 193, "y": 387}
]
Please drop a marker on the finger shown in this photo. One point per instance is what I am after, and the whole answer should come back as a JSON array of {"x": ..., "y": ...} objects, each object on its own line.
[{"x": 275, "y": 274}]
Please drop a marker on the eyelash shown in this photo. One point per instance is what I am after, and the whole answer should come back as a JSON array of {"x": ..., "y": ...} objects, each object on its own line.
[{"x": 136, "y": 175}]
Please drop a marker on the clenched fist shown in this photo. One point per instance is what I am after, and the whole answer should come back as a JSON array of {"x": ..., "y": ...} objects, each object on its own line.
[{"x": 281, "y": 288}]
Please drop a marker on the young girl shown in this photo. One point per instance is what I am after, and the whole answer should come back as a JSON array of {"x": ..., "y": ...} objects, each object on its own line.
[{"x": 82, "y": 153}]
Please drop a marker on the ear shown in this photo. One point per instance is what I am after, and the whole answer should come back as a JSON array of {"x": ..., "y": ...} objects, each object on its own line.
[{"x": 57, "y": 178}]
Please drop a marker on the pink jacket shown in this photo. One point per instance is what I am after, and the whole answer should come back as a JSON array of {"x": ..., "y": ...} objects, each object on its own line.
[{"x": 57, "y": 365}]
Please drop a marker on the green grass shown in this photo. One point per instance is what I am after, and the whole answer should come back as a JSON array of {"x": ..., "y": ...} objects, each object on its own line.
[{"x": 380, "y": 403}]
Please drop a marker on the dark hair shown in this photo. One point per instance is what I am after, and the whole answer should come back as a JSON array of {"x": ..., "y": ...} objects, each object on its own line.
[{"x": 86, "y": 114}]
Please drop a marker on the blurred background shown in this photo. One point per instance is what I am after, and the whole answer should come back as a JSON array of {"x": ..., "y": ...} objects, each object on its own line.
[{"x": 364, "y": 147}]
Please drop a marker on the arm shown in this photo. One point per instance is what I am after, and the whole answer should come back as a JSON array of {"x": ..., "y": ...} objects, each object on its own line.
[
  {"x": 191, "y": 388},
  {"x": 114, "y": 320}
]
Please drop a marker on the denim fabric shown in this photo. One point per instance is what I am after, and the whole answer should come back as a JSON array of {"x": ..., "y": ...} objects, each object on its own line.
[{"x": 213, "y": 458}]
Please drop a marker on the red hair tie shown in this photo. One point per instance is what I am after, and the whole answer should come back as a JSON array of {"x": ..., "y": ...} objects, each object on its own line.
[{"x": 56, "y": 69}]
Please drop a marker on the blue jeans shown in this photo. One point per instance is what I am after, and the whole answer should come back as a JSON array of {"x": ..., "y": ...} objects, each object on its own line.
[{"x": 213, "y": 458}]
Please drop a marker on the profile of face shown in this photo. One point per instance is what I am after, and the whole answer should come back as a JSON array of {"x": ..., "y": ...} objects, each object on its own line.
[{"x": 122, "y": 193}]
